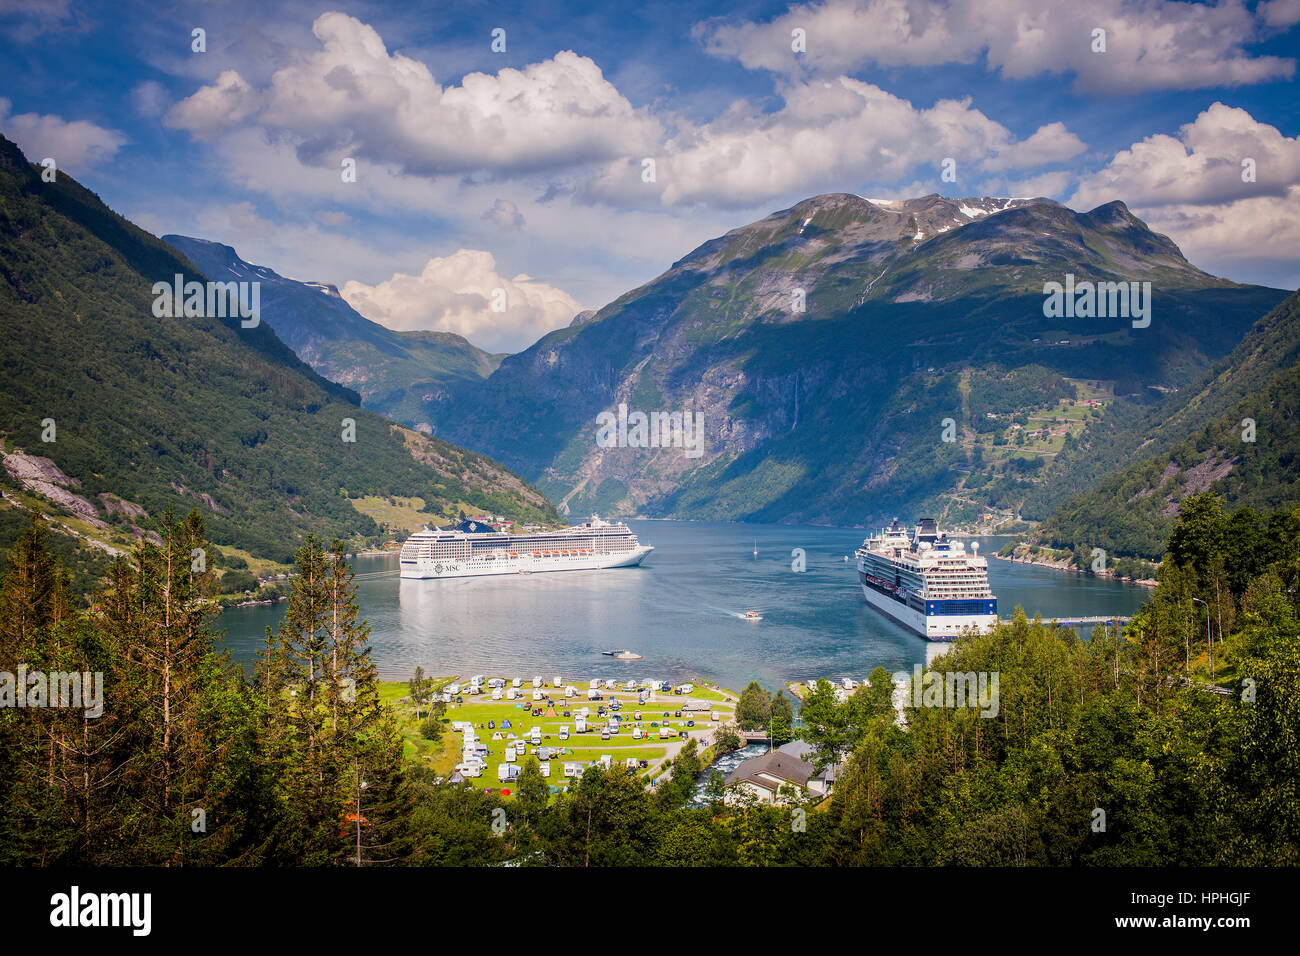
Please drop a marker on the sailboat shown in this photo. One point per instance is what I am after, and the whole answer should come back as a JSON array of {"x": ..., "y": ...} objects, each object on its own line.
[{"x": 755, "y": 547}]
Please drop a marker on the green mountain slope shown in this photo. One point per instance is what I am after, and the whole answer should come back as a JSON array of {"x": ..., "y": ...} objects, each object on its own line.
[
  {"x": 1203, "y": 445},
  {"x": 915, "y": 312},
  {"x": 195, "y": 412},
  {"x": 394, "y": 372}
]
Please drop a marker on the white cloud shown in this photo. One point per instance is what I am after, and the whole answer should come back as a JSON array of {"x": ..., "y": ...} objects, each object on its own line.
[
  {"x": 1280, "y": 14},
  {"x": 829, "y": 135},
  {"x": 76, "y": 146},
  {"x": 212, "y": 110},
  {"x": 352, "y": 97},
  {"x": 1151, "y": 44},
  {"x": 1251, "y": 240},
  {"x": 1190, "y": 187},
  {"x": 456, "y": 293},
  {"x": 1201, "y": 165}
]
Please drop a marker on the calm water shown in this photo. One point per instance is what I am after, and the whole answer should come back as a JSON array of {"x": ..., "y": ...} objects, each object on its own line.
[{"x": 682, "y": 611}]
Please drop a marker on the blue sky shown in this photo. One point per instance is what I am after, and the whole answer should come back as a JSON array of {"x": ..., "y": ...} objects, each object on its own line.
[{"x": 523, "y": 169}]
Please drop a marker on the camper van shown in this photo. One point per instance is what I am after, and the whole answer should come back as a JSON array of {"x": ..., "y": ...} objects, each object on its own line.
[
  {"x": 470, "y": 768},
  {"x": 665, "y": 732},
  {"x": 594, "y": 684},
  {"x": 593, "y": 694},
  {"x": 564, "y": 731},
  {"x": 570, "y": 691},
  {"x": 545, "y": 767},
  {"x": 573, "y": 768},
  {"x": 610, "y": 684},
  {"x": 511, "y": 752},
  {"x": 537, "y": 695},
  {"x": 535, "y": 736},
  {"x": 496, "y": 693},
  {"x": 512, "y": 694},
  {"x": 715, "y": 717},
  {"x": 605, "y": 760},
  {"x": 580, "y": 724},
  {"x": 453, "y": 689},
  {"x": 496, "y": 682},
  {"x": 537, "y": 682},
  {"x": 636, "y": 733},
  {"x": 517, "y": 682},
  {"x": 508, "y": 771},
  {"x": 558, "y": 680}
]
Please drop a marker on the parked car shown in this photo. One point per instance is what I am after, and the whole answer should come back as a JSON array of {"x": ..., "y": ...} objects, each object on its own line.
[{"x": 642, "y": 764}]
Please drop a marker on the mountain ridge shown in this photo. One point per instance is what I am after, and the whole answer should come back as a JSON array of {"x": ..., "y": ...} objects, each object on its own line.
[
  {"x": 139, "y": 413},
  {"x": 803, "y": 421},
  {"x": 392, "y": 371}
]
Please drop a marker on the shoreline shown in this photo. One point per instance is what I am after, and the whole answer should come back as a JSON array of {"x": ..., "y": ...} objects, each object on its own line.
[{"x": 1057, "y": 564}]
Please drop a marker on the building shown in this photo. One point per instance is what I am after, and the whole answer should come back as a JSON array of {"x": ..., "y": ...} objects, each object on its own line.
[{"x": 765, "y": 775}]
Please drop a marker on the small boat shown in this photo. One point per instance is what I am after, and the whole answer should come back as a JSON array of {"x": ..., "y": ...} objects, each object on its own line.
[
  {"x": 755, "y": 547},
  {"x": 623, "y": 655},
  {"x": 753, "y": 616}
]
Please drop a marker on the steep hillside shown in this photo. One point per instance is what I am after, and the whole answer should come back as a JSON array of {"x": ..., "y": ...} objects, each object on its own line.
[
  {"x": 394, "y": 372},
  {"x": 109, "y": 414},
  {"x": 826, "y": 345},
  {"x": 1205, "y": 444}
]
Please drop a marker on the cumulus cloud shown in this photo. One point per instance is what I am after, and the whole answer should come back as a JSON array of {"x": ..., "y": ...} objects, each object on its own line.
[
  {"x": 1191, "y": 187},
  {"x": 77, "y": 145},
  {"x": 827, "y": 134},
  {"x": 1156, "y": 44},
  {"x": 352, "y": 97},
  {"x": 212, "y": 110},
  {"x": 562, "y": 120},
  {"x": 457, "y": 293},
  {"x": 505, "y": 215},
  {"x": 1201, "y": 165}
]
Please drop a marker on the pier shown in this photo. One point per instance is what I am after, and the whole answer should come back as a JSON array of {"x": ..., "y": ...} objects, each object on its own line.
[{"x": 1075, "y": 621}]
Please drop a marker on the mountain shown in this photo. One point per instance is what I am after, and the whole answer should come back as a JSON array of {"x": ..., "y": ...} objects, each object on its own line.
[
  {"x": 394, "y": 372},
  {"x": 827, "y": 344},
  {"x": 110, "y": 414},
  {"x": 1238, "y": 436}
]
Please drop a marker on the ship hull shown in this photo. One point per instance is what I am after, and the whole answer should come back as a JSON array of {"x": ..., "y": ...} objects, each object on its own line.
[
  {"x": 524, "y": 564},
  {"x": 933, "y": 627}
]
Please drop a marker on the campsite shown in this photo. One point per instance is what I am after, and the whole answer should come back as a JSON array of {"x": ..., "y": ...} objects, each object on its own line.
[{"x": 571, "y": 724}]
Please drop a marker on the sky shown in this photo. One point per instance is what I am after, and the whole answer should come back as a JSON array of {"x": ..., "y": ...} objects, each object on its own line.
[{"x": 421, "y": 155}]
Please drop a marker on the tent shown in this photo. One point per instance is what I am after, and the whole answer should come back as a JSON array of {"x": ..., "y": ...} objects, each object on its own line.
[{"x": 505, "y": 724}]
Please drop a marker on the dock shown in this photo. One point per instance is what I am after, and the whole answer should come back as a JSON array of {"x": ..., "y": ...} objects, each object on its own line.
[{"x": 1072, "y": 621}]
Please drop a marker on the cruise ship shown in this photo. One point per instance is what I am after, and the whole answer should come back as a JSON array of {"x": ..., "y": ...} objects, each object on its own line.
[
  {"x": 472, "y": 548},
  {"x": 932, "y": 585}
]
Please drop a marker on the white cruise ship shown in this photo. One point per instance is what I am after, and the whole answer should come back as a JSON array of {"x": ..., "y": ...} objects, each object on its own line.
[
  {"x": 471, "y": 549},
  {"x": 930, "y": 584}
]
